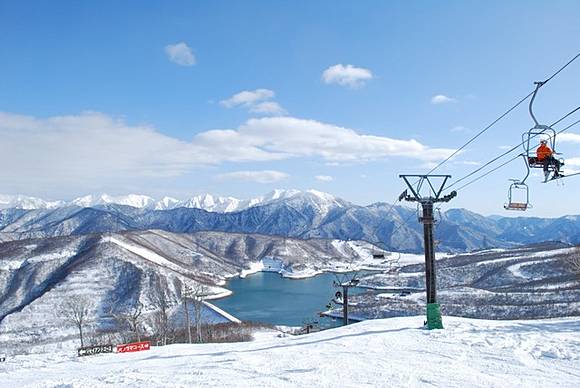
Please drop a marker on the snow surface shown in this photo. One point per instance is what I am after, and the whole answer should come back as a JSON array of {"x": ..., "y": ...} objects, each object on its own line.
[{"x": 394, "y": 352}]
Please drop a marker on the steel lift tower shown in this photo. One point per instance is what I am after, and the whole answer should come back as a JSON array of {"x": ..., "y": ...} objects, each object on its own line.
[{"x": 433, "y": 195}]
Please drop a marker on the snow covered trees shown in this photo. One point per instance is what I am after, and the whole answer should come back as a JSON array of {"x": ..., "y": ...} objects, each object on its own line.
[
  {"x": 574, "y": 261},
  {"x": 75, "y": 310}
]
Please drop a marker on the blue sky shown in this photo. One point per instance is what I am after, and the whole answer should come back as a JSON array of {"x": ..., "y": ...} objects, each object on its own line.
[{"x": 92, "y": 100}]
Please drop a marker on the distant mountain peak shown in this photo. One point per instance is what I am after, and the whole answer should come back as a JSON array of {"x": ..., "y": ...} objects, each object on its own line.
[
  {"x": 27, "y": 203},
  {"x": 134, "y": 200},
  {"x": 205, "y": 201}
]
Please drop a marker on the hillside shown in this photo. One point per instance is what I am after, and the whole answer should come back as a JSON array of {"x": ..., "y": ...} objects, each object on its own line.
[
  {"x": 523, "y": 283},
  {"x": 122, "y": 270}
]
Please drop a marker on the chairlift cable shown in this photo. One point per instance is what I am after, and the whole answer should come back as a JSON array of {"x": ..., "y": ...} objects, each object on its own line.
[
  {"x": 562, "y": 68},
  {"x": 509, "y": 161},
  {"x": 405, "y": 222},
  {"x": 563, "y": 118},
  {"x": 502, "y": 116},
  {"x": 480, "y": 133},
  {"x": 512, "y": 159},
  {"x": 488, "y": 172},
  {"x": 513, "y": 149}
]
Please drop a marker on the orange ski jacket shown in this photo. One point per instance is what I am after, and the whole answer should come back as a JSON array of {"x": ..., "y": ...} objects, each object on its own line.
[{"x": 543, "y": 152}]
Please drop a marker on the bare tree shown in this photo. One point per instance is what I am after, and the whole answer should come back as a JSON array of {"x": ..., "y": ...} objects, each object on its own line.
[
  {"x": 185, "y": 295},
  {"x": 75, "y": 310},
  {"x": 161, "y": 315},
  {"x": 130, "y": 317},
  {"x": 200, "y": 291},
  {"x": 195, "y": 293}
]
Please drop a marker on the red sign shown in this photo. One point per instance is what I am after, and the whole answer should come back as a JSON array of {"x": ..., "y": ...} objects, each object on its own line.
[{"x": 134, "y": 347}]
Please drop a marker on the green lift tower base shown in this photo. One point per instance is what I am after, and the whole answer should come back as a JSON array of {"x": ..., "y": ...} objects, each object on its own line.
[{"x": 434, "y": 316}]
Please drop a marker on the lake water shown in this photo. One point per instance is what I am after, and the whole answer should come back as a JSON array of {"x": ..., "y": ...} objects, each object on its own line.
[{"x": 268, "y": 297}]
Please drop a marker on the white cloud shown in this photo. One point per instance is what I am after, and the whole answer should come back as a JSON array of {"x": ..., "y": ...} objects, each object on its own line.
[
  {"x": 324, "y": 178},
  {"x": 293, "y": 137},
  {"x": 441, "y": 99},
  {"x": 266, "y": 176},
  {"x": 459, "y": 128},
  {"x": 268, "y": 108},
  {"x": 180, "y": 53},
  {"x": 568, "y": 137},
  {"x": 257, "y": 101},
  {"x": 248, "y": 98},
  {"x": 89, "y": 151},
  {"x": 346, "y": 75}
]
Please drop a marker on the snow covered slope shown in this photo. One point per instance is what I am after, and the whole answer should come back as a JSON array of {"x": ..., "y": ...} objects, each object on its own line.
[
  {"x": 523, "y": 283},
  {"x": 36, "y": 276},
  {"x": 394, "y": 352}
]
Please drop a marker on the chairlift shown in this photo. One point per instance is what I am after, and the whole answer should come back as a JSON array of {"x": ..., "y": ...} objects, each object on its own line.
[
  {"x": 530, "y": 141},
  {"x": 518, "y": 196}
]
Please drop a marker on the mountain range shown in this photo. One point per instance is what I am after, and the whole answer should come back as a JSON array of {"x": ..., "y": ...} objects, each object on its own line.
[
  {"x": 206, "y": 201},
  {"x": 292, "y": 213}
]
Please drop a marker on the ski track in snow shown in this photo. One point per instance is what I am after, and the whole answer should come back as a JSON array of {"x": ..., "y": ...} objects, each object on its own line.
[
  {"x": 394, "y": 352},
  {"x": 148, "y": 255}
]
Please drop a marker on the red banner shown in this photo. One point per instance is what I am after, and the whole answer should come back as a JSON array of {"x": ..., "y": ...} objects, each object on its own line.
[{"x": 133, "y": 347}]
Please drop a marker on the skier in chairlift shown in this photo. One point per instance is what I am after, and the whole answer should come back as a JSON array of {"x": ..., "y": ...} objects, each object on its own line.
[{"x": 545, "y": 155}]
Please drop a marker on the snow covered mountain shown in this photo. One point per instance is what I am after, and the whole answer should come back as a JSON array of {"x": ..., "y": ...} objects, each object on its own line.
[
  {"x": 307, "y": 214},
  {"x": 28, "y": 203},
  {"x": 134, "y": 200},
  {"x": 121, "y": 270},
  {"x": 206, "y": 202}
]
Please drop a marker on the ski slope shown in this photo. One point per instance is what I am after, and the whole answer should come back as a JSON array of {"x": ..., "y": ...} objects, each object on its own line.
[{"x": 394, "y": 352}]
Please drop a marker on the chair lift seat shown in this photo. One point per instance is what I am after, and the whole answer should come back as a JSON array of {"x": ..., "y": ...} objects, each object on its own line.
[
  {"x": 516, "y": 206},
  {"x": 535, "y": 163}
]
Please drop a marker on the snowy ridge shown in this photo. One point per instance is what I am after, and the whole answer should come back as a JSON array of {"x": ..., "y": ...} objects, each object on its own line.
[
  {"x": 134, "y": 200},
  {"x": 206, "y": 201},
  {"x": 28, "y": 203}
]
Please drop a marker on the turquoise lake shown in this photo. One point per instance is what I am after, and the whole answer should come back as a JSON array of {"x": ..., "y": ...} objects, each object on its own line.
[{"x": 267, "y": 297}]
